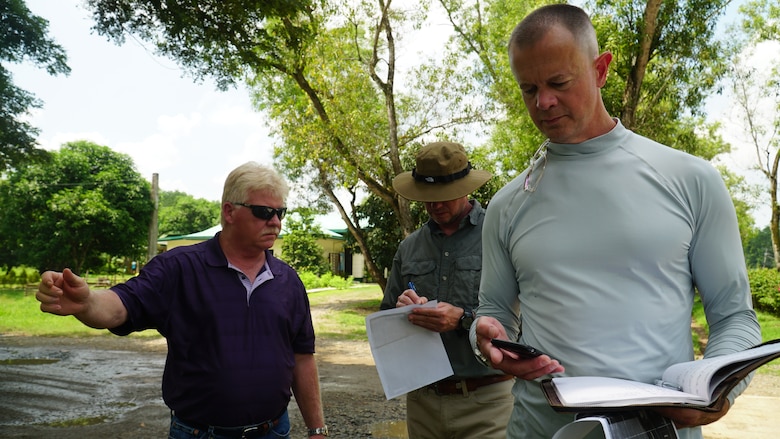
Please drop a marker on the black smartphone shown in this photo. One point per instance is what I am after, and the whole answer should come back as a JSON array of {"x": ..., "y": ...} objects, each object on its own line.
[{"x": 520, "y": 349}]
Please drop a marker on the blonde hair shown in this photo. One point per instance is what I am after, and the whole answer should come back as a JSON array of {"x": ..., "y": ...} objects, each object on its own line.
[{"x": 249, "y": 177}]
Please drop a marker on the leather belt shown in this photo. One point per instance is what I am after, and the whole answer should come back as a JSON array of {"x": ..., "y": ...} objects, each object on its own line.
[
  {"x": 243, "y": 432},
  {"x": 450, "y": 386}
]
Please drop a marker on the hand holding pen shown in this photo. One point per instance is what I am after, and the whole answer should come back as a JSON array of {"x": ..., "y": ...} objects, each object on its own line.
[{"x": 410, "y": 297}]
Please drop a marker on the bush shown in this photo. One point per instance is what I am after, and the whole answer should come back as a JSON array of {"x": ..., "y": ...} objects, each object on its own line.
[
  {"x": 19, "y": 276},
  {"x": 312, "y": 281},
  {"x": 765, "y": 287}
]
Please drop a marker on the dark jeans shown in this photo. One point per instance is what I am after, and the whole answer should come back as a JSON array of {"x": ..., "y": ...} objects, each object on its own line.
[{"x": 180, "y": 430}]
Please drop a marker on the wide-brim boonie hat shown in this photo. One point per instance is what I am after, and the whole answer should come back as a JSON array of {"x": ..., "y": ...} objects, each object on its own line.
[{"x": 443, "y": 173}]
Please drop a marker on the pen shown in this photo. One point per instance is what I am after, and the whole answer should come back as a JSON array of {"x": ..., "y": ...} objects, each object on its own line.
[
  {"x": 411, "y": 286},
  {"x": 667, "y": 385}
]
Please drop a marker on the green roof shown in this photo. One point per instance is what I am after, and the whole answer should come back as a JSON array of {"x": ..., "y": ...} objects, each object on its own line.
[{"x": 210, "y": 232}]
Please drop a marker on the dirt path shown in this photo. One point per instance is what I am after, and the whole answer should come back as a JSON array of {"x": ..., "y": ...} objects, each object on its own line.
[
  {"x": 755, "y": 415},
  {"x": 109, "y": 387}
]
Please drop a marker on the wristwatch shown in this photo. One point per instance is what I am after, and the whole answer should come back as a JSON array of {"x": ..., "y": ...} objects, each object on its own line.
[
  {"x": 481, "y": 357},
  {"x": 322, "y": 431},
  {"x": 466, "y": 319}
]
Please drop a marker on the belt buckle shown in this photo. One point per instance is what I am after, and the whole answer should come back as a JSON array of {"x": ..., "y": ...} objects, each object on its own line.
[
  {"x": 255, "y": 431},
  {"x": 436, "y": 388}
]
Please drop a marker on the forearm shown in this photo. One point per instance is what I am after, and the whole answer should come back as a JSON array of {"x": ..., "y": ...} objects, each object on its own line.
[
  {"x": 737, "y": 333},
  {"x": 306, "y": 387},
  {"x": 104, "y": 310}
]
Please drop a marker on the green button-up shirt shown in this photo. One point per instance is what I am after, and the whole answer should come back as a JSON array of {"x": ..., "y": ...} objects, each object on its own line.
[{"x": 447, "y": 269}]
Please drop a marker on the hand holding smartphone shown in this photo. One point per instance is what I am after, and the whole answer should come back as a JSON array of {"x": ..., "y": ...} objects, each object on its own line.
[{"x": 524, "y": 351}]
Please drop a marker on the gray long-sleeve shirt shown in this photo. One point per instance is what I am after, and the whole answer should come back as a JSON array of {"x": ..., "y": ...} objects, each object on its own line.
[{"x": 603, "y": 260}]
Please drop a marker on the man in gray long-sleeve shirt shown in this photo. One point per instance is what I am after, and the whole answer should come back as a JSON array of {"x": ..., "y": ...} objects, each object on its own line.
[
  {"x": 603, "y": 242},
  {"x": 443, "y": 260}
]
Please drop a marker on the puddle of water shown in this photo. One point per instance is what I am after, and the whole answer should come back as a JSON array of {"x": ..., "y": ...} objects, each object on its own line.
[
  {"x": 27, "y": 361},
  {"x": 390, "y": 429}
]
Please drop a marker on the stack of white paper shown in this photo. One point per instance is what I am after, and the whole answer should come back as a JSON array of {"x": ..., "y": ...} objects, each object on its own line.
[{"x": 407, "y": 357}]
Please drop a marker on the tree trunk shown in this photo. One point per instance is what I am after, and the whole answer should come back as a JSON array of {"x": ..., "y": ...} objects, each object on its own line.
[{"x": 646, "y": 34}]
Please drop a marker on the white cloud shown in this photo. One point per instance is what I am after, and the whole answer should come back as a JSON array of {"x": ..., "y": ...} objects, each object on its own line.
[{"x": 179, "y": 125}]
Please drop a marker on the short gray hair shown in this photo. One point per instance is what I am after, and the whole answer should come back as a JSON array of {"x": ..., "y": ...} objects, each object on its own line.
[
  {"x": 250, "y": 177},
  {"x": 536, "y": 24}
]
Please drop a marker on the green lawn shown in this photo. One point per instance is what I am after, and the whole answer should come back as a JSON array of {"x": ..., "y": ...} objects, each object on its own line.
[
  {"x": 339, "y": 314},
  {"x": 344, "y": 319}
]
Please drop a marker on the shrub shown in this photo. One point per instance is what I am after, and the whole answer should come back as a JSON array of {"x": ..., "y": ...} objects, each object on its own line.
[
  {"x": 19, "y": 276},
  {"x": 312, "y": 281},
  {"x": 765, "y": 287}
]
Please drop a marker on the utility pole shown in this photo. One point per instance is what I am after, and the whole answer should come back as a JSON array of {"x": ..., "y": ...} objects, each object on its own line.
[{"x": 152, "y": 245}]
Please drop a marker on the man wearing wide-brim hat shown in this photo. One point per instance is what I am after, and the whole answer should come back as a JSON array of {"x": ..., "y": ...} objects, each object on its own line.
[{"x": 442, "y": 260}]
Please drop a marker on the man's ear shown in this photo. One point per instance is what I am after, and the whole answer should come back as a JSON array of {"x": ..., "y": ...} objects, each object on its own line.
[
  {"x": 601, "y": 63},
  {"x": 228, "y": 209}
]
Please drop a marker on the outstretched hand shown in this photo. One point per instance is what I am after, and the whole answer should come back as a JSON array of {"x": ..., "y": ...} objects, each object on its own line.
[{"x": 62, "y": 293}]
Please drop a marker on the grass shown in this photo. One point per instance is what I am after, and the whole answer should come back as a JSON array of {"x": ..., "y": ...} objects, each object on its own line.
[
  {"x": 20, "y": 314},
  {"x": 338, "y": 315},
  {"x": 345, "y": 311},
  {"x": 770, "y": 330},
  {"x": 344, "y": 316}
]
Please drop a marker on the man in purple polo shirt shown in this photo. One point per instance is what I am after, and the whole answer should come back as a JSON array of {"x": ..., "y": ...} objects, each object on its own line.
[{"x": 237, "y": 320}]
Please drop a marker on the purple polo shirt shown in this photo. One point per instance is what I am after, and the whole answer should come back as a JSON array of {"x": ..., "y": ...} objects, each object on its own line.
[{"x": 229, "y": 362}]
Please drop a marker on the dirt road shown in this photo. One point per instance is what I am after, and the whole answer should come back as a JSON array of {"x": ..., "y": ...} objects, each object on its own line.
[{"x": 109, "y": 387}]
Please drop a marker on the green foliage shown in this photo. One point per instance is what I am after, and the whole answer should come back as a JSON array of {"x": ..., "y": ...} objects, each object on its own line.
[
  {"x": 381, "y": 232},
  {"x": 765, "y": 287},
  {"x": 181, "y": 214},
  {"x": 223, "y": 39},
  {"x": 20, "y": 313},
  {"x": 684, "y": 63},
  {"x": 18, "y": 276},
  {"x": 87, "y": 201},
  {"x": 758, "y": 249},
  {"x": 299, "y": 245},
  {"x": 761, "y": 19},
  {"x": 346, "y": 311},
  {"x": 328, "y": 280},
  {"x": 23, "y": 36},
  {"x": 742, "y": 196},
  {"x": 482, "y": 30},
  {"x": 661, "y": 93}
]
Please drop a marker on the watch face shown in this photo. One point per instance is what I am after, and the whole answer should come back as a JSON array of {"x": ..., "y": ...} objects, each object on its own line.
[
  {"x": 466, "y": 320},
  {"x": 318, "y": 431}
]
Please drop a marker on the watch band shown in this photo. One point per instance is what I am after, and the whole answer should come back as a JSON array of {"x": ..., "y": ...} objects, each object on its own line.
[
  {"x": 321, "y": 431},
  {"x": 466, "y": 319}
]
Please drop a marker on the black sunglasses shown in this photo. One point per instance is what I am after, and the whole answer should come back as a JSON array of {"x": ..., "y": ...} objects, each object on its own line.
[{"x": 265, "y": 212}]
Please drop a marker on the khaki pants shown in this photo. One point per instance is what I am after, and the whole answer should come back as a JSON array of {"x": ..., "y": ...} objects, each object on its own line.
[{"x": 483, "y": 413}]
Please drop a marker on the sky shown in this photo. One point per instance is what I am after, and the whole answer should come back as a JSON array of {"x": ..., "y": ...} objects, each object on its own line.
[
  {"x": 191, "y": 134},
  {"x": 124, "y": 97}
]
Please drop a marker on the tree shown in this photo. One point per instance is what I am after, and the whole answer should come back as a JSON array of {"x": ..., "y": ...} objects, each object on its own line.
[
  {"x": 666, "y": 61},
  {"x": 482, "y": 29},
  {"x": 381, "y": 232},
  {"x": 299, "y": 244},
  {"x": 756, "y": 96},
  {"x": 88, "y": 200},
  {"x": 350, "y": 115},
  {"x": 222, "y": 39},
  {"x": 23, "y": 36},
  {"x": 181, "y": 214},
  {"x": 758, "y": 249}
]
